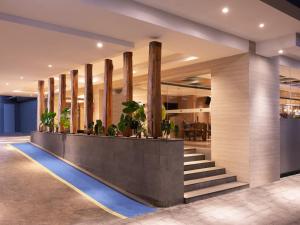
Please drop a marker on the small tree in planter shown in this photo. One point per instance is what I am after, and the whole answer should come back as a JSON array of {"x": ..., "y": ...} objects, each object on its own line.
[
  {"x": 112, "y": 130},
  {"x": 47, "y": 120},
  {"x": 133, "y": 118}
]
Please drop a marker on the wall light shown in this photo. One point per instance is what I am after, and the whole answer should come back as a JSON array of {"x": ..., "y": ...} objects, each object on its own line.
[{"x": 190, "y": 58}]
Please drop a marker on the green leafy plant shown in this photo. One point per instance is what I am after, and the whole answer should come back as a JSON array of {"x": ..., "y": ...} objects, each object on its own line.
[
  {"x": 47, "y": 120},
  {"x": 176, "y": 130},
  {"x": 133, "y": 118},
  {"x": 65, "y": 118},
  {"x": 112, "y": 130},
  {"x": 167, "y": 127},
  {"x": 99, "y": 127},
  {"x": 90, "y": 128}
]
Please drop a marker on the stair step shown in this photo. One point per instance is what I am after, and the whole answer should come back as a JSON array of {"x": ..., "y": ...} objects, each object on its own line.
[
  {"x": 188, "y": 150},
  {"x": 191, "y": 185},
  {"x": 205, "y": 172},
  {"x": 199, "y": 164},
  {"x": 193, "y": 157},
  {"x": 213, "y": 191}
]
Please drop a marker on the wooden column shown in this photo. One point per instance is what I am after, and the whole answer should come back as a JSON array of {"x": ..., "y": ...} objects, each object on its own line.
[
  {"x": 107, "y": 94},
  {"x": 61, "y": 99},
  {"x": 154, "y": 90},
  {"x": 127, "y": 76},
  {"x": 50, "y": 104},
  {"x": 88, "y": 95},
  {"x": 74, "y": 103},
  {"x": 40, "y": 102}
]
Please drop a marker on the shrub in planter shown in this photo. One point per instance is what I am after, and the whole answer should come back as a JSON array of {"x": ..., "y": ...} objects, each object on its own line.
[
  {"x": 47, "y": 120},
  {"x": 133, "y": 118},
  {"x": 98, "y": 127},
  {"x": 112, "y": 130},
  {"x": 65, "y": 119}
]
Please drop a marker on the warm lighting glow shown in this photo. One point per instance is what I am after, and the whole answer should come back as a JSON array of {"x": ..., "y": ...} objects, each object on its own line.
[
  {"x": 134, "y": 72},
  {"x": 261, "y": 25},
  {"x": 50, "y": 66},
  {"x": 99, "y": 45},
  {"x": 17, "y": 91},
  {"x": 280, "y": 51},
  {"x": 81, "y": 80},
  {"x": 56, "y": 78},
  {"x": 6, "y": 84},
  {"x": 225, "y": 10},
  {"x": 21, "y": 77},
  {"x": 190, "y": 58}
]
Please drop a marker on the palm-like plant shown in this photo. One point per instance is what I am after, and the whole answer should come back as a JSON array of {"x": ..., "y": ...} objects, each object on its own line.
[{"x": 47, "y": 120}]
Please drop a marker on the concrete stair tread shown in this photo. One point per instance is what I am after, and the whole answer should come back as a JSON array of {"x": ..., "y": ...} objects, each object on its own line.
[
  {"x": 196, "y": 162},
  {"x": 207, "y": 179},
  {"x": 214, "y": 189},
  {"x": 202, "y": 170}
]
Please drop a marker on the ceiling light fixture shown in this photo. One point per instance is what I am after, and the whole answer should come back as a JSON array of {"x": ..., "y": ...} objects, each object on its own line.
[
  {"x": 225, "y": 10},
  {"x": 21, "y": 77},
  {"x": 190, "y": 58},
  {"x": 17, "y": 91},
  {"x": 280, "y": 51},
  {"x": 261, "y": 25},
  {"x": 50, "y": 66},
  {"x": 99, "y": 45},
  {"x": 6, "y": 84}
]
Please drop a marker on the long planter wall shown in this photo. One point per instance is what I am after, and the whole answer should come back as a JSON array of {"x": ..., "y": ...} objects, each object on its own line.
[{"x": 149, "y": 168}]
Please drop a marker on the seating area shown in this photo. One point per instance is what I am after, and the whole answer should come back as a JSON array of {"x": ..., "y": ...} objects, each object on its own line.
[{"x": 196, "y": 131}]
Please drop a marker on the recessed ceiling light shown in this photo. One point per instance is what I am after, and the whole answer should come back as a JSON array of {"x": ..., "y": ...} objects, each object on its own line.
[
  {"x": 99, "y": 45},
  {"x": 21, "y": 77},
  {"x": 17, "y": 91},
  {"x": 261, "y": 25},
  {"x": 225, "y": 10},
  {"x": 50, "y": 66},
  {"x": 6, "y": 84},
  {"x": 190, "y": 58},
  {"x": 56, "y": 78},
  {"x": 280, "y": 51}
]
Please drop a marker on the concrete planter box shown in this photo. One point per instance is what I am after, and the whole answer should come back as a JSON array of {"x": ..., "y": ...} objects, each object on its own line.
[{"x": 151, "y": 169}]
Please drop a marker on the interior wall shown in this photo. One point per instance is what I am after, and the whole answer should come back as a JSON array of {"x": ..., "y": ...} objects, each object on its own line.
[{"x": 26, "y": 116}]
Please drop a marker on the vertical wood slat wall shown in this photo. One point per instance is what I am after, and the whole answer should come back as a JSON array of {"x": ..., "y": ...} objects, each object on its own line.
[
  {"x": 88, "y": 96},
  {"x": 107, "y": 94},
  {"x": 61, "y": 99},
  {"x": 74, "y": 102}
]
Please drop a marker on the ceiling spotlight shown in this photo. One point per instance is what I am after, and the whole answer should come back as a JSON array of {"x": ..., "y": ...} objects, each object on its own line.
[
  {"x": 225, "y": 10},
  {"x": 6, "y": 84},
  {"x": 280, "y": 51},
  {"x": 21, "y": 77},
  {"x": 261, "y": 25},
  {"x": 50, "y": 66},
  {"x": 99, "y": 45}
]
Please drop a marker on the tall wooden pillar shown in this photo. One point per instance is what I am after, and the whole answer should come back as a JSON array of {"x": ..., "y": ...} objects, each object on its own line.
[
  {"x": 40, "y": 102},
  {"x": 61, "y": 99},
  {"x": 88, "y": 95},
  {"x": 74, "y": 103},
  {"x": 107, "y": 94},
  {"x": 127, "y": 76},
  {"x": 154, "y": 90},
  {"x": 50, "y": 104}
]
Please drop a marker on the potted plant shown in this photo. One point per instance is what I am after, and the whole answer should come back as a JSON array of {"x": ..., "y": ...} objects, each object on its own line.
[
  {"x": 98, "y": 127},
  {"x": 133, "y": 119},
  {"x": 47, "y": 120},
  {"x": 65, "y": 119},
  {"x": 112, "y": 130}
]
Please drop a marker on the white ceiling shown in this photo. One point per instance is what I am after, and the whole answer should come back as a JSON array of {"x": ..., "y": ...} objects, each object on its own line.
[
  {"x": 26, "y": 48},
  {"x": 242, "y": 20}
]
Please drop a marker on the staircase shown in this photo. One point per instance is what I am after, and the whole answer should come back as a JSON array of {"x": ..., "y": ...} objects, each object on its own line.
[{"x": 202, "y": 179}]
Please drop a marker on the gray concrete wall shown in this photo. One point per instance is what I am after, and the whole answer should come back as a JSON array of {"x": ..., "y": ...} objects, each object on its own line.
[
  {"x": 289, "y": 145},
  {"x": 148, "y": 168}
]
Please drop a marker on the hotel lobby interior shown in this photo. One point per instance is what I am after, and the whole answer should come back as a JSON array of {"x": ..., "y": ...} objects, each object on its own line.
[{"x": 149, "y": 112}]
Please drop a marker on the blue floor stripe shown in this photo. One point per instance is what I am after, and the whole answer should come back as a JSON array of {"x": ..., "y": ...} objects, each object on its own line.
[{"x": 97, "y": 190}]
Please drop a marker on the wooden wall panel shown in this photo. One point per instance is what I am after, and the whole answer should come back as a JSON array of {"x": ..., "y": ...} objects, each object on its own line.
[
  {"x": 88, "y": 95},
  {"x": 50, "y": 104},
  {"x": 40, "y": 101},
  {"x": 74, "y": 102},
  {"x": 154, "y": 90},
  {"x": 61, "y": 99},
  {"x": 127, "y": 76},
  {"x": 107, "y": 94}
]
